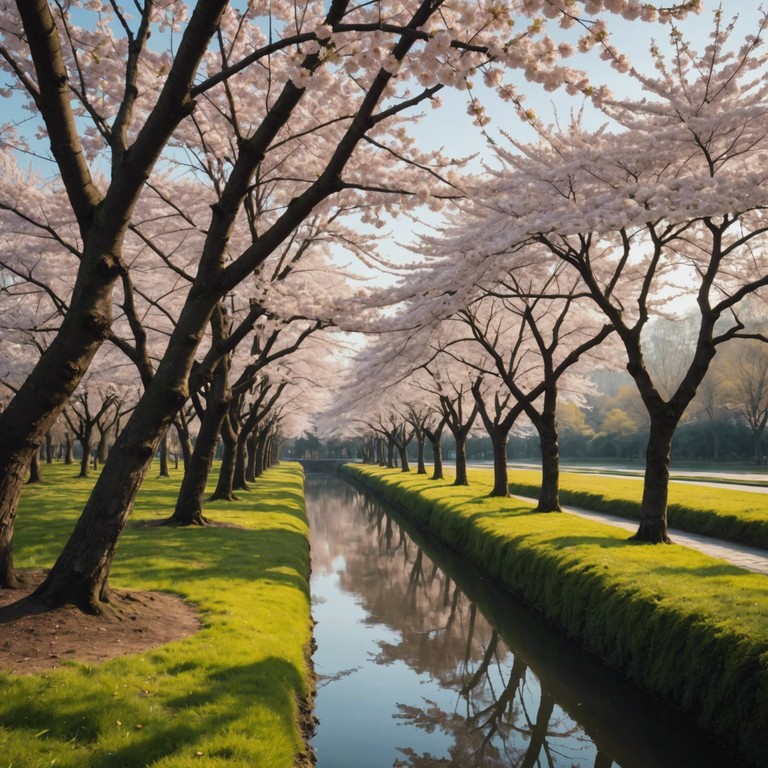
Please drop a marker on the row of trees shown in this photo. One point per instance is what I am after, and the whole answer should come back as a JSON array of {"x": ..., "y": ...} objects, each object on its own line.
[
  {"x": 202, "y": 159},
  {"x": 565, "y": 254}
]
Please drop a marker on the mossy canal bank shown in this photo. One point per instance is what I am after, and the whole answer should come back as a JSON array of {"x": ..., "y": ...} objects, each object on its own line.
[{"x": 688, "y": 628}]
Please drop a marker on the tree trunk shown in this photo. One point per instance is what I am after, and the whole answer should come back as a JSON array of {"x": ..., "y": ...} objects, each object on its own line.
[
  {"x": 185, "y": 442},
  {"x": 421, "y": 468},
  {"x": 653, "y": 516},
  {"x": 461, "y": 460},
  {"x": 261, "y": 449},
  {"x": 238, "y": 481},
  {"x": 164, "y": 472},
  {"x": 102, "y": 449},
  {"x": 14, "y": 476},
  {"x": 35, "y": 470},
  {"x": 189, "y": 504},
  {"x": 499, "y": 438},
  {"x": 34, "y": 409},
  {"x": 48, "y": 448},
  {"x": 85, "y": 461},
  {"x": 274, "y": 450},
  {"x": 250, "y": 465},
  {"x": 69, "y": 457},
  {"x": 603, "y": 761},
  {"x": 437, "y": 458},
  {"x": 403, "y": 452},
  {"x": 80, "y": 574},
  {"x": 549, "y": 494},
  {"x": 226, "y": 480},
  {"x": 390, "y": 454}
]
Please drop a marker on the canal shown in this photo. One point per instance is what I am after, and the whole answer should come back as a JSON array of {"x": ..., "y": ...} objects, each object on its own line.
[{"x": 424, "y": 662}]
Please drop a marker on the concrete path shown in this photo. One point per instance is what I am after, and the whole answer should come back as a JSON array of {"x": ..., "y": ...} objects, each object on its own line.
[{"x": 749, "y": 558}]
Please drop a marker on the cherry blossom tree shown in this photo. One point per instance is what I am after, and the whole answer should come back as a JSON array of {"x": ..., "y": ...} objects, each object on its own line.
[
  {"x": 344, "y": 50},
  {"x": 83, "y": 415},
  {"x": 672, "y": 204},
  {"x": 551, "y": 331}
]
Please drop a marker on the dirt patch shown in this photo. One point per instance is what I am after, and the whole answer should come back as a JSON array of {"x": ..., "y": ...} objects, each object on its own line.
[{"x": 42, "y": 641}]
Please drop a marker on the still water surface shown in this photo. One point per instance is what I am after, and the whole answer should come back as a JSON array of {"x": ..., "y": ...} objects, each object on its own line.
[{"x": 423, "y": 662}]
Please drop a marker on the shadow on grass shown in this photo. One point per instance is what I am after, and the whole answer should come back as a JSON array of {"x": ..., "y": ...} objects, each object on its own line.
[
  {"x": 179, "y": 555},
  {"x": 217, "y": 705}
]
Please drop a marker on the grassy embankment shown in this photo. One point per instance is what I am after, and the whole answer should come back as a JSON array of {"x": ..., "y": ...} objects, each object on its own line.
[
  {"x": 228, "y": 695},
  {"x": 685, "y": 626},
  {"x": 724, "y": 513}
]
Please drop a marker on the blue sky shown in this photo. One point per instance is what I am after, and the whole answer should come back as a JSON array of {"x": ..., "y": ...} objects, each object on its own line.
[{"x": 451, "y": 127}]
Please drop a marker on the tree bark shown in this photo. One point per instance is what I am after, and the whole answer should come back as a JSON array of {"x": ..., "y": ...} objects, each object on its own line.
[
  {"x": 102, "y": 450},
  {"x": 499, "y": 439},
  {"x": 261, "y": 450},
  {"x": 85, "y": 460},
  {"x": 185, "y": 441},
  {"x": 224, "y": 486},
  {"x": 241, "y": 455},
  {"x": 164, "y": 472},
  {"x": 602, "y": 761},
  {"x": 549, "y": 493},
  {"x": 390, "y": 453},
  {"x": 653, "y": 515},
  {"x": 437, "y": 458},
  {"x": 274, "y": 449},
  {"x": 461, "y": 460},
  {"x": 35, "y": 470},
  {"x": 435, "y": 440},
  {"x": 68, "y": 450},
  {"x": 48, "y": 447},
  {"x": 403, "y": 452},
  {"x": 11, "y": 484},
  {"x": 453, "y": 414},
  {"x": 381, "y": 451},
  {"x": 189, "y": 504},
  {"x": 421, "y": 468},
  {"x": 757, "y": 446},
  {"x": 250, "y": 465}
]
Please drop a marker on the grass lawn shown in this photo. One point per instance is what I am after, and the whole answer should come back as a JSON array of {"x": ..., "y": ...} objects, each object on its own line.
[
  {"x": 721, "y": 512},
  {"x": 683, "y": 625},
  {"x": 228, "y": 695}
]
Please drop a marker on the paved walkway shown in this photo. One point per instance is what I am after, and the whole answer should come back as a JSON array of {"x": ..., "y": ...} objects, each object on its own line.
[{"x": 750, "y": 558}]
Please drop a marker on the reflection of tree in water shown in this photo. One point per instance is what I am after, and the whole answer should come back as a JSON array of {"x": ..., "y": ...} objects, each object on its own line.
[
  {"x": 501, "y": 718},
  {"x": 496, "y": 727},
  {"x": 490, "y": 711}
]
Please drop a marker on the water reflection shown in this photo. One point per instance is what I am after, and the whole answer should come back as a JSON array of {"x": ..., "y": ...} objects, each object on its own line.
[{"x": 416, "y": 670}]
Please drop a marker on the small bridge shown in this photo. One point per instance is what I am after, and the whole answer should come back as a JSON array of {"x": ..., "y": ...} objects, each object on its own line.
[{"x": 323, "y": 465}]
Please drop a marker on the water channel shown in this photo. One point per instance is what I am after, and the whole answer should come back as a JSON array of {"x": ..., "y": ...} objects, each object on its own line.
[{"x": 423, "y": 662}]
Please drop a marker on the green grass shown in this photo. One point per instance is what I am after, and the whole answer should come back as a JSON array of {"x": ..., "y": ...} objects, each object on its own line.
[
  {"x": 691, "y": 629},
  {"x": 230, "y": 694},
  {"x": 724, "y": 513}
]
